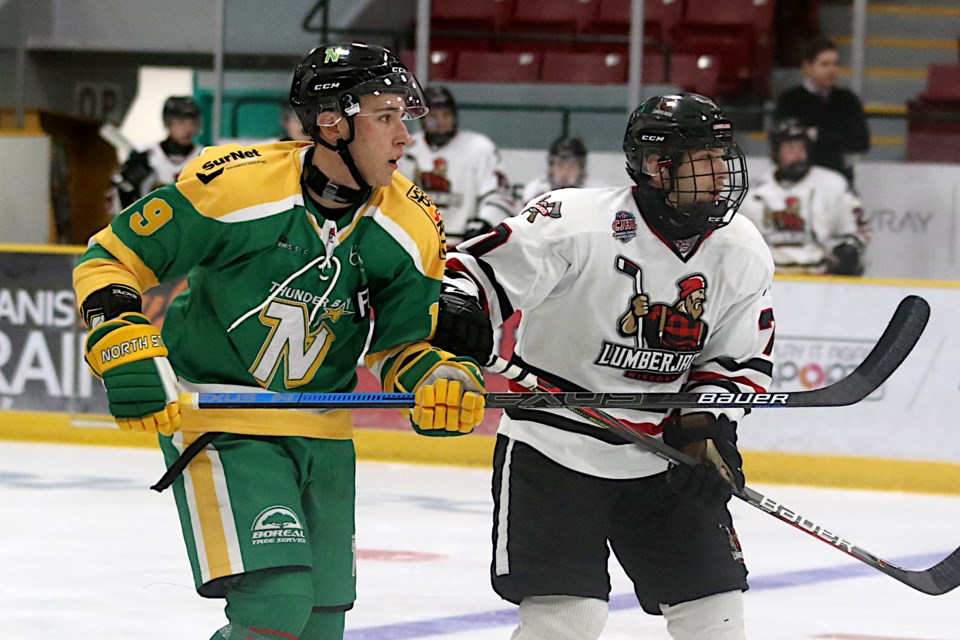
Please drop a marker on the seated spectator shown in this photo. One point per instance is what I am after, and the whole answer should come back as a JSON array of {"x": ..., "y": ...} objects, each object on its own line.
[
  {"x": 459, "y": 169},
  {"x": 808, "y": 215},
  {"x": 834, "y": 116},
  {"x": 566, "y": 167}
]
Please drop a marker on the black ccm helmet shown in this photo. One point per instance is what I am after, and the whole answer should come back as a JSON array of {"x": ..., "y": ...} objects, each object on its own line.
[
  {"x": 661, "y": 135},
  {"x": 180, "y": 108},
  {"x": 784, "y": 131},
  {"x": 438, "y": 97},
  {"x": 332, "y": 78},
  {"x": 568, "y": 148}
]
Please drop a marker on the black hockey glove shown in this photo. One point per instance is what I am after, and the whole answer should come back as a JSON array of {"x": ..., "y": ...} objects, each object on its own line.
[
  {"x": 136, "y": 169},
  {"x": 713, "y": 441},
  {"x": 846, "y": 260},
  {"x": 132, "y": 174},
  {"x": 462, "y": 326}
]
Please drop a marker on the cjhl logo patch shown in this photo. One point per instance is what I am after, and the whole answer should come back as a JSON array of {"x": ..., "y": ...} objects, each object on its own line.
[{"x": 624, "y": 226}]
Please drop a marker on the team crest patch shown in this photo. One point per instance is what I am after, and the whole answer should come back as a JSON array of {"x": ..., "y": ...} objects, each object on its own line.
[
  {"x": 624, "y": 226},
  {"x": 544, "y": 207},
  {"x": 667, "y": 336}
]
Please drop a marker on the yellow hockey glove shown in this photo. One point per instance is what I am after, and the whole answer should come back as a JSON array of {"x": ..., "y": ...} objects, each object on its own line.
[
  {"x": 128, "y": 354},
  {"x": 442, "y": 410}
]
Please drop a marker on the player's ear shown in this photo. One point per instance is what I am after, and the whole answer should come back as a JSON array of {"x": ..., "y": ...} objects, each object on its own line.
[{"x": 331, "y": 125}]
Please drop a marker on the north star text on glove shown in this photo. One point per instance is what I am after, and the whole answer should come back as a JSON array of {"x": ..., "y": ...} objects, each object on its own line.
[{"x": 131, "y": 346}]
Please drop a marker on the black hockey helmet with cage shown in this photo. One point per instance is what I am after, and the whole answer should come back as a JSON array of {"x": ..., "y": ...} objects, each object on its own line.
[
  {"x": 784, "y": 131},
  {"x": 661, "y": 134},
  {"x": 333, "y": 77},
  {"x": 439, "y": 97},
  {"x": 180, "y": 108}
]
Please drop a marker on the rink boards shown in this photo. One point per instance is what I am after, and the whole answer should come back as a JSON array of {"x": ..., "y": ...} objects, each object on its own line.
[{"x": 902, "y": 437}]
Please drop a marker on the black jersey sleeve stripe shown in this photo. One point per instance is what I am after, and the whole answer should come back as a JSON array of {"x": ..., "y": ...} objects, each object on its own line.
[
  {"x": 729, "y": 385},
  {"x": 506, "y": 308},
  {"x": 760, "y": 365}
]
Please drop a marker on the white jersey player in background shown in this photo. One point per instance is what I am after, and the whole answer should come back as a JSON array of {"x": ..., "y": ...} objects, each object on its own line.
[
  {"x": 652, "y": 288},
  {"x": 160, "y": 163},
  {"x": 460, "y": 170},
  {"x": 808, "y": 215}
]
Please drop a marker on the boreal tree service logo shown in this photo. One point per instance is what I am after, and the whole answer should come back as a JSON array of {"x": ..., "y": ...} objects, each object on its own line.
[{"x": 277, "y": 525}]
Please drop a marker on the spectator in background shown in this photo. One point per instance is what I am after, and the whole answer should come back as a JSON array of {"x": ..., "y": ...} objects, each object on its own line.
[
  {"x": 834, "y": 116},
  {"x": 566, "y": 167},
  {"x": 459, "y": 169},
  {"x": 808, "y": 215},
  {"x": 160, "y": 163},
  {"x": 292, "y": 129}
]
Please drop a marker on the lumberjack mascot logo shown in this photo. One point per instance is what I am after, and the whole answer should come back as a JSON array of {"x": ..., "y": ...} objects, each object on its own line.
[{"x": 667, "y": 337}]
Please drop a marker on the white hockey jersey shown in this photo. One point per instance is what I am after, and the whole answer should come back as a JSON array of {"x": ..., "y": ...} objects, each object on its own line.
[
  {"x": 164, "y": 170},
  {"x": 539, "y": 186},
  {"x": 573, "y": 262},
  {"x": 464, "y": 179},
  {"x": 804, "y": 220}
]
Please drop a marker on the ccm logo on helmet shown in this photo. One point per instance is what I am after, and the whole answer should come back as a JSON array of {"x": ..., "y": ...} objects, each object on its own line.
[
  {"x": 325, "y": 85},
  {"x": 652, "y": 138}
]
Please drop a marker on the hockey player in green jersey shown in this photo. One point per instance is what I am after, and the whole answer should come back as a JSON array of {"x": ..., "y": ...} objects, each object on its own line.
[{"x": 289, "y": 248}]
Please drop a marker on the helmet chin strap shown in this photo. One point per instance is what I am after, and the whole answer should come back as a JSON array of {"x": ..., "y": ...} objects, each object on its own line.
[{"x": 323, "y": 186}]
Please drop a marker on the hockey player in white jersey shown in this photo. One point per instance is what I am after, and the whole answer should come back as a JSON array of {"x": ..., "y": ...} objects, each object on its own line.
[
  {"x": 808, "y": 215},
  {"x": 460, "y": 170},
  {"x": 658, "y": 287},
  {"x": 160, "y": 163}
]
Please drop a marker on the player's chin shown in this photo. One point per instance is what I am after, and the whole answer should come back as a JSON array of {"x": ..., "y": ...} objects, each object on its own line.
[{"x": 384, "y": 176}]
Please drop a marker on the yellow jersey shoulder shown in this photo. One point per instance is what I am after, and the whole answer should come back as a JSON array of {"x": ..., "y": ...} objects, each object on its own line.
[
  {"x": 231, "y": 178},
  {"x": 412, "y": 209}
]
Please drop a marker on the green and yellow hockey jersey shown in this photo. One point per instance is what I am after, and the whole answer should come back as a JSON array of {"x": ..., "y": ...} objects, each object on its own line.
[{"x": 279, "y": 297}]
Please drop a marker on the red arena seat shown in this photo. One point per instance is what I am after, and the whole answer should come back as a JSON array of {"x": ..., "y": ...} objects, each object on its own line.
[
  {"x": 583, "y": 68},
  {"x": 498, "y": 66}
]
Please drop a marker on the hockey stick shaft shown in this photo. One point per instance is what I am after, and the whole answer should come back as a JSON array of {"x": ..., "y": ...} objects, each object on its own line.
[
  {"x": 898, "y": 339},
  {"x": 937, "y": 580}
]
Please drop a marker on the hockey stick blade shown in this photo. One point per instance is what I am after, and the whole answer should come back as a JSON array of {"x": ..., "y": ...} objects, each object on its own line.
[{"x": 898, "y": 339}]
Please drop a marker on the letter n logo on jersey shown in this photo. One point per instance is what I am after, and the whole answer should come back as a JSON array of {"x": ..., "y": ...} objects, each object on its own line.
[{"x": 291, "y": 343}]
